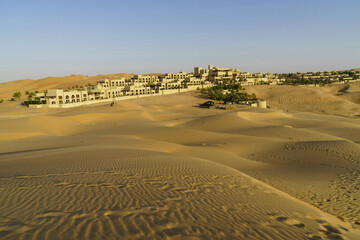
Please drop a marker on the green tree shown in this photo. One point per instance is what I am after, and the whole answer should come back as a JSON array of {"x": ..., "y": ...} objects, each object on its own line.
[
  {"x": 216, "y": 93},
  {"x": 17, "y": 95},
  {"x": 1, "y": 100},
  {"x": 31, "y": 95},
  {"x": 204, "y": 91}
]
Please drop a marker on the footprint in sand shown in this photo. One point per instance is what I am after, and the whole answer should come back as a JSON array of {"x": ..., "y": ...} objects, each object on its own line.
[
  {"x": 328, "y": 230},
  {"x": 291, "y": 222}
]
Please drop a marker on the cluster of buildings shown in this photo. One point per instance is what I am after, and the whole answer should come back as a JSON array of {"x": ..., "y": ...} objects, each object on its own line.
[
  {"x": 216, "y": 75},
  {"x": 327, "y": 76},
  {"x": 150, "y": 84}
]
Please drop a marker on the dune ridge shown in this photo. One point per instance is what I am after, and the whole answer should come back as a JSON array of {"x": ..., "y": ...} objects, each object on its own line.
[
  {"x": 342, "y": 99},
  {"x": 161, "y": 168},
  {"x": 8, "y": 88}
]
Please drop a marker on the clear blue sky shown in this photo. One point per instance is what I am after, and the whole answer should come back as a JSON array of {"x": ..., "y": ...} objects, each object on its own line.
[{"x": 63, "y": 37}]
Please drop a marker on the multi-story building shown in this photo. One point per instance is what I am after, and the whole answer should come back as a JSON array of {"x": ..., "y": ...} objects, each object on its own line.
[
  {"x": 151, "y": 84},
  {"x": 145, "y": 79},
  {"x": 59, "y": 96}
]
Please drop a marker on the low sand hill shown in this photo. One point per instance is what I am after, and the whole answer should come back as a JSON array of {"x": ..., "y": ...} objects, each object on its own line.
[
  {"x": 350, "y": 92},
  {"x": 7, "y": 89},
  {"x": 162, "y": 168},
  {"x": 342, "y": 99}
]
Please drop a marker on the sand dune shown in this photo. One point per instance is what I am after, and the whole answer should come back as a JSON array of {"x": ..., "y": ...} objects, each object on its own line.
[
  {"x": 7, "y": 89},
  {"x": 161, "y": 168},
  {"x": 92, "y": 193},
  {"x": 340, "y": 100}
]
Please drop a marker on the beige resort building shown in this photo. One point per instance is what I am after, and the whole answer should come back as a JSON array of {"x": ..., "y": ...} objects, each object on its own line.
[{"x": 148, "y": 85}]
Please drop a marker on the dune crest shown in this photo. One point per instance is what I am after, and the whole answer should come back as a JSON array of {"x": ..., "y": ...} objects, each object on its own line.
[
  {"x": 162, "y": 168},
  {"x": 340, "y": 99}
]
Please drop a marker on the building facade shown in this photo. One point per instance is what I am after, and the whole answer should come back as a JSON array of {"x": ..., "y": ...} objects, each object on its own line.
[{"x": 151, "y": 84}]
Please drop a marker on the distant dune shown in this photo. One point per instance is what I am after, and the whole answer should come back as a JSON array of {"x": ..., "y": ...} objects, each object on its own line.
[
  {"x": 162, "y": 168},
  {"x": 7, "y": 89},
  {"x": 340, "y": 99}
]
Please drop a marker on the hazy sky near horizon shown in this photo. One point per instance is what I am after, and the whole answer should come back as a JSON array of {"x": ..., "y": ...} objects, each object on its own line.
[{"x": 41, "y": 38}]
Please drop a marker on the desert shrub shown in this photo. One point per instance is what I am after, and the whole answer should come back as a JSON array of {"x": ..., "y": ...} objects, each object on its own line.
[
  {"x": 233, "y": 94},
  {"x": 31, "y": 95},
  {"x": 28, "y": 102},
  {"x": 17, "y": 95}
]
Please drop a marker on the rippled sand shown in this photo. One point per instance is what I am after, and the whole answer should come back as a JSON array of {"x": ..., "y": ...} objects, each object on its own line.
[{"x": 161, "y": 168}]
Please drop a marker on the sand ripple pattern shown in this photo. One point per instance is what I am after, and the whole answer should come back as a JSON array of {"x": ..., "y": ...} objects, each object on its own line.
[{"x": 136, "y": 194}]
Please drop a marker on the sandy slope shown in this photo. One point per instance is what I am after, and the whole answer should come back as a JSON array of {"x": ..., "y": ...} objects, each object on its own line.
[
  {"x": 160, "y": 168},
  {"x": 340, "y": 99},
  {"x": 8, "y": 88}
]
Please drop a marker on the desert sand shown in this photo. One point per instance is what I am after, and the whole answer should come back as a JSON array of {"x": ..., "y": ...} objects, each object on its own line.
[
  {"x": 162, "y": 168},
  {"x": 8, "y": 88}
]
